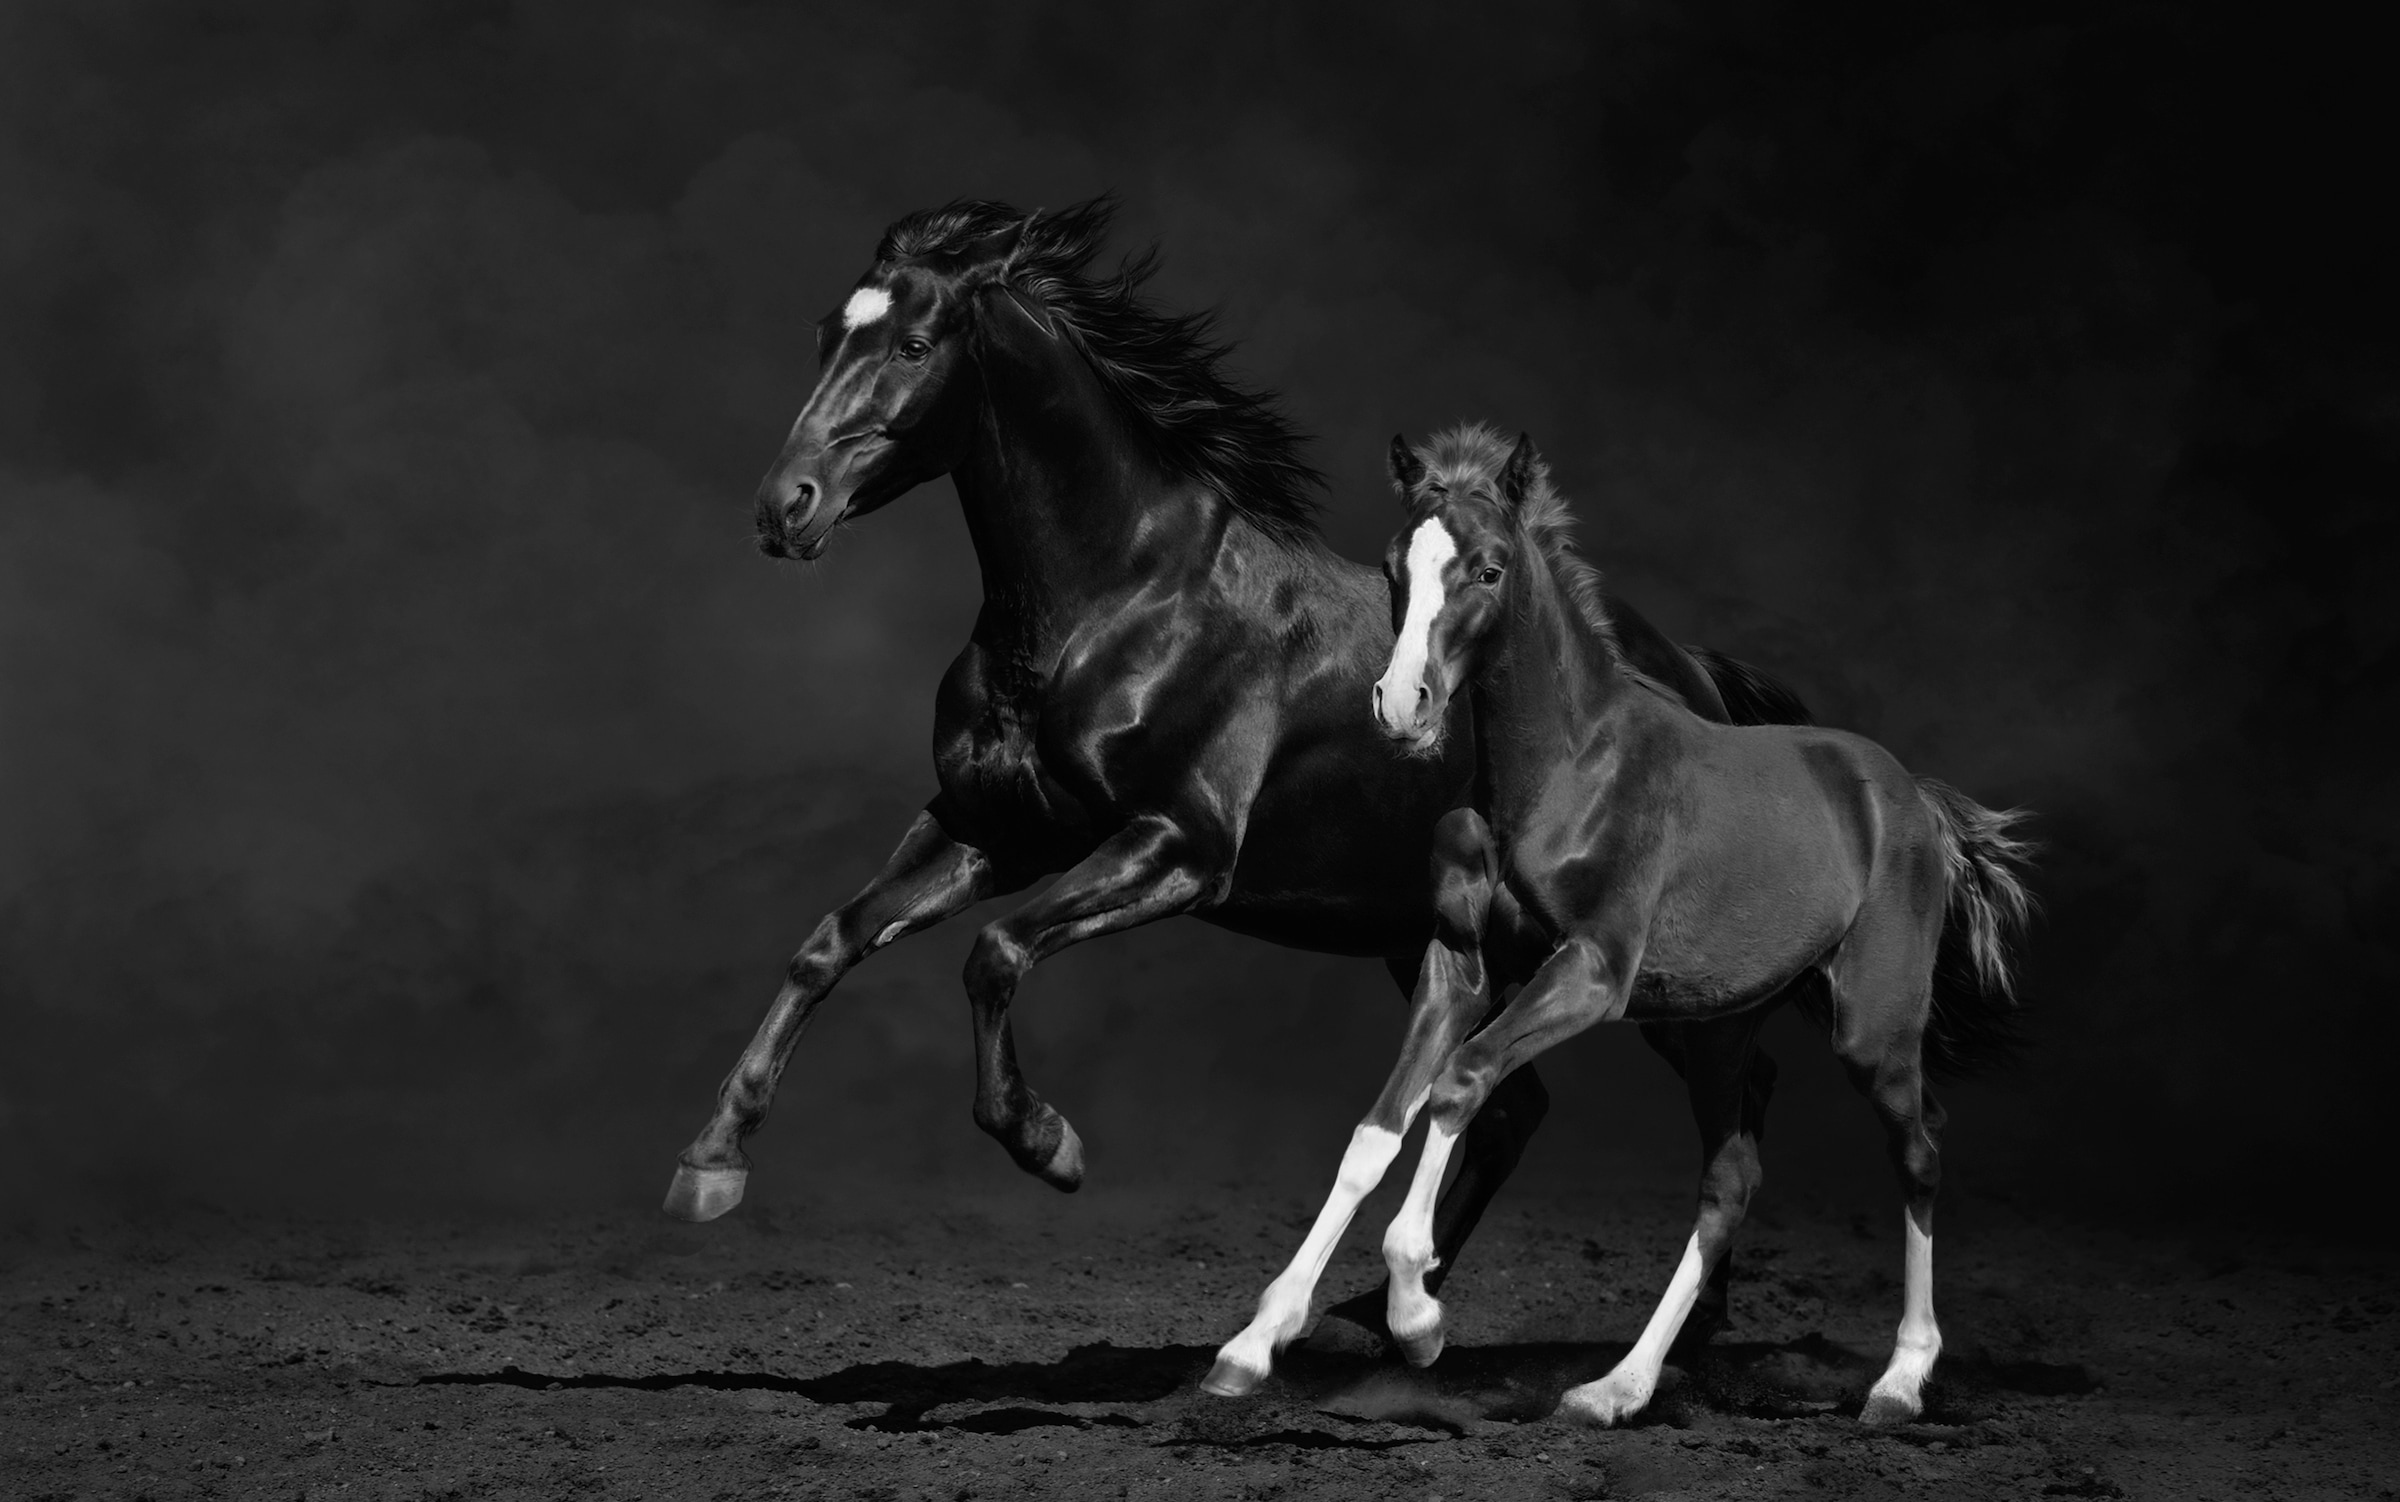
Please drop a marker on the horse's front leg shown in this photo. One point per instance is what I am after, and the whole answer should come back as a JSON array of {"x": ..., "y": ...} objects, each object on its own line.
[
  {"x": 1452, "y": 993},
  {"x": 1153, "y": 868},
  {"x": 927, "y": 879}
]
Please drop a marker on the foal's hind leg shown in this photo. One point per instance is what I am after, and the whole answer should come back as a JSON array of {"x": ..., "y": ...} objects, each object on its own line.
[
  {"x": 1912, "y": 1121},
  {"x": 1716, "y": 1060},
  {"x": 1714, "y": 1309},
  {"x": 1882, "y": 990}
]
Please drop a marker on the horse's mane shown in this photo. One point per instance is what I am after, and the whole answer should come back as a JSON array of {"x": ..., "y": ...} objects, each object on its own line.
[
  {"x": 1471, "y": 456},
  {"x": 1163, "y": 369}
]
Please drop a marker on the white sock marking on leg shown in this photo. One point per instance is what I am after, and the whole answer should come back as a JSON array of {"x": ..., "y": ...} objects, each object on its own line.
[
  {"x": 1628, "y": 1386},
  {"x": 1920, "y": 1340},
  {"x": 1283, "y": 1308},
  {"x": 1408, "y": 1243}
]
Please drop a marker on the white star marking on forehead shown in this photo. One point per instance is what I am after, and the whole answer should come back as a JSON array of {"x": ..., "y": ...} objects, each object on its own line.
[{"x": 865, "y": 306}]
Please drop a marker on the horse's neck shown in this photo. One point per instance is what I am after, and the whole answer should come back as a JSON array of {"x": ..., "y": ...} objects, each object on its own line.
[
  {"x": 1065, "y": 505},
  {"x": 1541, "y": 697}
]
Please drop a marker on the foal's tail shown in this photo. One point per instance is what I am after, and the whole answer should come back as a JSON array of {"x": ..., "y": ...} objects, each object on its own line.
[
  {"x": 1751, "y": 697},
  {"x": 1974, "y": 1021}
]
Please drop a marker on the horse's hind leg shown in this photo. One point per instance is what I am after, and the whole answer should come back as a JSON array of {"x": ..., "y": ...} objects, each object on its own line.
[
  {"x": 929, "y": 877},
  {"x": 1716, "y": 1065}
]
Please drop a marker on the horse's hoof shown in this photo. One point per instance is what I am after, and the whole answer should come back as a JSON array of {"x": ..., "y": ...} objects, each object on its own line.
[
  {"x": 1422, "y": 1348},
  {"x": 1063, "y": 1171},
  {"x": 1232, "y": 1378},
  {"x": 703, "y": 1194},
  {"x": 1887, "y": 1407}
]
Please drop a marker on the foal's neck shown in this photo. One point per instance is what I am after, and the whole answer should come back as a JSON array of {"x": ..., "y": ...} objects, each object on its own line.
[
  {"x": 1064, "y": 502},
  {"x": 1543, "y": 691}
]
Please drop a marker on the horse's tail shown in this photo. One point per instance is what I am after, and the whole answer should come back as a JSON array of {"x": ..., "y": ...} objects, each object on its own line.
[
  {"x": 1751, "y": 697},
  {"x": 1974, "y": 1024}
]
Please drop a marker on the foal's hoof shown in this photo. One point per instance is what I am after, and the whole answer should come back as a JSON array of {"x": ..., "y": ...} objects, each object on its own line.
[
  {"x": 702, "y": 1194},
  {"x": 1606, "y": 1403},
  {"x": 1232, "y": 1377},
  {"x": 1420, "y": 1348},
  {"x": 1063, "y": 1170},
  {"x": 1887, "y": 1407}
]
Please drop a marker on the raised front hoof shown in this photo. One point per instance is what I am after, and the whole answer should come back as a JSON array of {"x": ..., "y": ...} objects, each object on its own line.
[
  {"x": 1887, "y": 1406},
  {"x": 1062, "y": 1167},
  {"x": 703, "y": 1194},
  {"x": 1606, "y": 1403},
  {"x": 1232, "y": 1377}
]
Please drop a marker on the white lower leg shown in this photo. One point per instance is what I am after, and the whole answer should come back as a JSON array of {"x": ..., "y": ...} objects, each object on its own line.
[
  {"x": 1627, "y": 1388},
  {"x": 1899, "y": 1393},
  {"x": 1245, "y": 1360},
  {"x": 1413, "y": 1315}
]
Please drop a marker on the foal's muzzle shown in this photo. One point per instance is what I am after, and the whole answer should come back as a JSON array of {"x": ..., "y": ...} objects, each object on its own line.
[{"x": 1414, "y": 722}]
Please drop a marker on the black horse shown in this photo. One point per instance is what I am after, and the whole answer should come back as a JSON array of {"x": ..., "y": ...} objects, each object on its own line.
[
  {"x": 1674, "y": 870},
  {"x": 1164, "y": 697}
]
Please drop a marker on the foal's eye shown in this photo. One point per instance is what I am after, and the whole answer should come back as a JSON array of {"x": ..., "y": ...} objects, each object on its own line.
[
  {"x": 914, "y": 348},
  {"x": 1490, "y": 574}
]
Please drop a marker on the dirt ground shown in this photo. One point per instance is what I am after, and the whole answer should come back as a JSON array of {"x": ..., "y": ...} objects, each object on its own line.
[{"x": 1026, "y": 1346}]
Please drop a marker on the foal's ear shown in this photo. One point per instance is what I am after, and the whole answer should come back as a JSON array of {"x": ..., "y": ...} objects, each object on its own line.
[
  {"x": 1408, "y": 470},
  {"x": 1517, "y": 476}
]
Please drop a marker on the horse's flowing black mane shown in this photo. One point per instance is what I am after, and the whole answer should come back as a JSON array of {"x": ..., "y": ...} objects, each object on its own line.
[{"x": 1164, "y": 369}]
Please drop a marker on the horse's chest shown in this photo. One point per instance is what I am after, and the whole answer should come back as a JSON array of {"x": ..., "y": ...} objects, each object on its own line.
[{"x": 995, "y": 780}]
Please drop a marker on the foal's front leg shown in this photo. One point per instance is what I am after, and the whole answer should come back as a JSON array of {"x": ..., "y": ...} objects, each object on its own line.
[
  {"x": 1452, "y": 992},
  {"x": 1576, "y": 987}
]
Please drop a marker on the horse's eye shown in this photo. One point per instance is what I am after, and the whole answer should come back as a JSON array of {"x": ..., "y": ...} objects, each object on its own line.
[
  {"x": 914, "y": 348},
  {"x": 1490, "y": 575}
]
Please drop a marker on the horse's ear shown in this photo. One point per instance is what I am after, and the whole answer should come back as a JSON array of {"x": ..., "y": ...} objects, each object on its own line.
[
  {"x": 1408, "y": 470},
  {"x": 1517, "y": 476},
  {"x": 999, "y": 249}
]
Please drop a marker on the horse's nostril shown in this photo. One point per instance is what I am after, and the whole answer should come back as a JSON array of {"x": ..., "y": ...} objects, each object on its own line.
[
  {"x": 1379, "y": 698},
  {"x": 802, "y": 504}
]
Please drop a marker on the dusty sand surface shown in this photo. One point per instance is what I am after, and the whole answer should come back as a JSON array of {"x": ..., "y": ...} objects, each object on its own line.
[{"x": 939, "y": 1347}]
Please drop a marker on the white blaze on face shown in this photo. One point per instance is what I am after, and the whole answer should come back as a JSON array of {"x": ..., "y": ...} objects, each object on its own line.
[
  {"x": 865, "y": 306},
  {"x": 1429, "y": 550}
]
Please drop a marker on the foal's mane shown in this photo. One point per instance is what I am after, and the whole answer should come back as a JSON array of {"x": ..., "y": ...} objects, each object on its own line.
[
  {"x": 1470, "y": 457},
  {"x": 1164, "y": 369}
]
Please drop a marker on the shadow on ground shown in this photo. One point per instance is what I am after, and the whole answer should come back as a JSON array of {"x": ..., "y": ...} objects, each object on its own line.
[{"x": 1470, "y": 1386}]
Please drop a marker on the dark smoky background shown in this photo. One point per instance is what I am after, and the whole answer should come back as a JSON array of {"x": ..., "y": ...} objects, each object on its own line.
[{"x": 411, "y": 778}]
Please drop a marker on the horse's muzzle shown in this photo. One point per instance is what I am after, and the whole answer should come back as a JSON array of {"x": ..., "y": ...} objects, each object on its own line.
[{"x": 794, "y": 519}]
